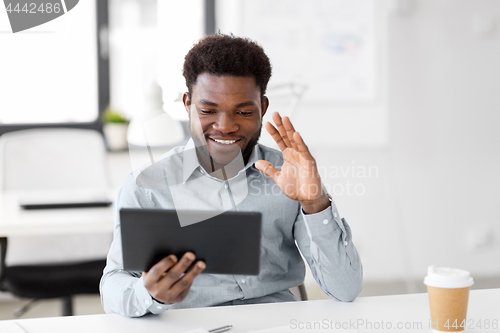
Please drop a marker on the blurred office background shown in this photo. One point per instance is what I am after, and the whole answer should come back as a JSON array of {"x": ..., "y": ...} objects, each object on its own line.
[{"x": 397, "y": 99}]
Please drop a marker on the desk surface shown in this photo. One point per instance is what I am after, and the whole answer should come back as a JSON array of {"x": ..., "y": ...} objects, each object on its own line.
[
  {"x": 412, "y": 310},
  {"x": 15, "y": 221}
]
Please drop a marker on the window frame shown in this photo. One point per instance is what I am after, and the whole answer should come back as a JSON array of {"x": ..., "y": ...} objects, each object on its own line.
[{"x": 209, "y": 17}]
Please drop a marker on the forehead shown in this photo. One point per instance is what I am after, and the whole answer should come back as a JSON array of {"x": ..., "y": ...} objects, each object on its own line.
[{"x": 225, "y": 87}]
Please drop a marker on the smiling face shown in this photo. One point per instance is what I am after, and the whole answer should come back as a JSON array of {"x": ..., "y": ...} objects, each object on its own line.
[{"x": 225, "y": 116}]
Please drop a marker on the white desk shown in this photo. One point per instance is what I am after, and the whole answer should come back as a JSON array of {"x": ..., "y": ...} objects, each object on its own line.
[
  {"x": 15, "y": 221},
  {"x": 406, "y": 309}
]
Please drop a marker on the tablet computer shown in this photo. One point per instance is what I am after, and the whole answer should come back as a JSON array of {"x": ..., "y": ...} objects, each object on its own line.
[{"x": 229, "y": 243}]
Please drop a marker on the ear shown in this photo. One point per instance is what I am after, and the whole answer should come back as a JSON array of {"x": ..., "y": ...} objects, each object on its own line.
[
  {"x": 187, "y": 102},
  {"x": 265, "y": 105}
]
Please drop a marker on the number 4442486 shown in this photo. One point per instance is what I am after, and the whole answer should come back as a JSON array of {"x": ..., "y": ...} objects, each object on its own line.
[
  {"x": 471, "y": 324},
  {"x": 34, "y": 8}
]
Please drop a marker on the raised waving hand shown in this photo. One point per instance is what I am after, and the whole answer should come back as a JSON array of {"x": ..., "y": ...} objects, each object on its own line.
[{"x": 298, "y": 178}]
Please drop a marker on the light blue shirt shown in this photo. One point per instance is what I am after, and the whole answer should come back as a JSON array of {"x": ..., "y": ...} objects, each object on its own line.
[{"x": 177, "y": 180}]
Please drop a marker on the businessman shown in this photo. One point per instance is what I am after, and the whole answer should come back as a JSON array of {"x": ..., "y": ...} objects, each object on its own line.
[{"x": 227, "y": 77}]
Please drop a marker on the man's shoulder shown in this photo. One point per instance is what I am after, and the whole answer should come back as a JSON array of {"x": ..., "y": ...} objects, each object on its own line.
[
  {"x": 270, "y": 154},
  {"x": 174, "y": 155},
  {"x": 152, "y": 172}
]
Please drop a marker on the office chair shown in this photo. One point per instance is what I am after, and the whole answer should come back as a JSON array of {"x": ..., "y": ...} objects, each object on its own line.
[
  {"x": 52, "y": 159},
  {"x": 299, "y": 292}
]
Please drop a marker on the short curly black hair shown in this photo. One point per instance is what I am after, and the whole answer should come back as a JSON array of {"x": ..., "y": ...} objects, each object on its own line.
[{"x": 221, "y": 54}]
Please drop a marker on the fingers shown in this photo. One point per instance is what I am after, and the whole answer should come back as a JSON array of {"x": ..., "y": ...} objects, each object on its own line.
[
  {"x": 181, "y": 287},
  {"x": 267, "y": 168},
  {"x": 156, "y": 272},
  {"x": 276, "y": 136},
  {"x": 302, "y": 147},
  {"x": 284, "y": 132},
  {"x": 286, "y": 137},
  {"x": 281, "y": 130},
  {"x": 165, "y": 282},
  {"x": 288, "y": 127}
]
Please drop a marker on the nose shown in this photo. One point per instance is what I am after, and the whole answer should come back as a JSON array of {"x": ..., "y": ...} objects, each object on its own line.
[{"x": 225, "y": 123}]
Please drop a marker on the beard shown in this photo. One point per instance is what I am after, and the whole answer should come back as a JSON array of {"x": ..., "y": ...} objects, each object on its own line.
[{"x": 251, "y": 144}]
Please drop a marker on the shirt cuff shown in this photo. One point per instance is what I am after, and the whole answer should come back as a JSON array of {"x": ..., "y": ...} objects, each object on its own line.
[
  {"x": 325, "y": 221},
  {"x": 146, "y": 302}
]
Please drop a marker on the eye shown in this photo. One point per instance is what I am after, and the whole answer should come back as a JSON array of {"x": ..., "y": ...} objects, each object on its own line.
[
  {"x": 245, "y": 113},
  {"x": 206, "y": 111}
]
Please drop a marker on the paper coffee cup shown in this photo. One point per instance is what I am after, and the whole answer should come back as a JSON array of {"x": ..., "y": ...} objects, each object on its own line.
[{"x": 448, "y": 290}]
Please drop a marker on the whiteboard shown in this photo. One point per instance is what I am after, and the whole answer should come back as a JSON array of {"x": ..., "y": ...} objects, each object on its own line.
[{"x": 328, "y": 45}]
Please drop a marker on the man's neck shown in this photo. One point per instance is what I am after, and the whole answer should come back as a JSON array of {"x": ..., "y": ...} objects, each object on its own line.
[{"x": 210, "y": 166}]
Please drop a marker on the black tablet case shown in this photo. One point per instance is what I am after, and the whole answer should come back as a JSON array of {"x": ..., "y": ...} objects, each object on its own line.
[{"x": 229, "y": 243}]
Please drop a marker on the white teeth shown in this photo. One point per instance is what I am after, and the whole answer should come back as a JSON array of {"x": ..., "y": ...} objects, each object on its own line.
[{"x": 226, "y": 142}]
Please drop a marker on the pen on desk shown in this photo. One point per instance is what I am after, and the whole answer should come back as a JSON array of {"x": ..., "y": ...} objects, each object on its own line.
[{"x": 221, "y": 329}]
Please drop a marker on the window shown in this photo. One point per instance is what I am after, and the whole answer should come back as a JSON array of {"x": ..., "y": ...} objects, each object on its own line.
[
  {"x": 50, "y": 73},
  {"x": 148, "y": 42}
]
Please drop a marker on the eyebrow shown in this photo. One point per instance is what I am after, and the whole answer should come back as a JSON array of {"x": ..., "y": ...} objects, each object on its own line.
[
  {"x": 207, "y": 103},
  {"x": 249, "y": 103},
  {"x": 240, "y": 105}
]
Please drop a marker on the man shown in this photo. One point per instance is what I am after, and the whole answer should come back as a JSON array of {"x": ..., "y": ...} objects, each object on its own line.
[{"x": 227, "y": 79}]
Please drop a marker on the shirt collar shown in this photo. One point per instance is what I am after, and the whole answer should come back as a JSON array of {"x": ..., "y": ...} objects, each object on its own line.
[
  {"x": 190, "y": 160},
  {"x": 191, "y": 163}
]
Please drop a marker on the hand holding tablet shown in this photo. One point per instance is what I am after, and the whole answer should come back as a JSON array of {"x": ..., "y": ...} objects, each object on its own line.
[
  {"x": 164, "y": 282},
  {"x": 154, "y": 242}
]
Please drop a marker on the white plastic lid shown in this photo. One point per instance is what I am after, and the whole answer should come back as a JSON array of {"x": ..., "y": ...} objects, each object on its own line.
[{"x": 444, "y": 277}]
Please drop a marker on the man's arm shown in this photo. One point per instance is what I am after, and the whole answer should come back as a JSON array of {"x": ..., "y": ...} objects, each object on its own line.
[
  {"x": 123, "y": 292},
  {"x": 325, "y": 241},
  {"x": 323, "y": 238},
  {"x": 131, "y": 293}
]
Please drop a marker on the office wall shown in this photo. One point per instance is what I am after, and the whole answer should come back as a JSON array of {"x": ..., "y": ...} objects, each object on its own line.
[
  {"x": 433, "y": 141},
  {"x": 444, "y": 115},
  {"x": 436, "y": 198},
  {"x": 291, "y": 33}
]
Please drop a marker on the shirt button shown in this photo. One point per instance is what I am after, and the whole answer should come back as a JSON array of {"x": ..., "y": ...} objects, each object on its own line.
[
  {"x": 137, "y": 313},
  {"x": 226, "y": 186},
  {"x": 159, "y": 307},
  {"x": 243, "y": 281},
  {"x": 346, "y": 243},
  {"x": 335, "y": 214},
  {"x": 325, "y": 221}
]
